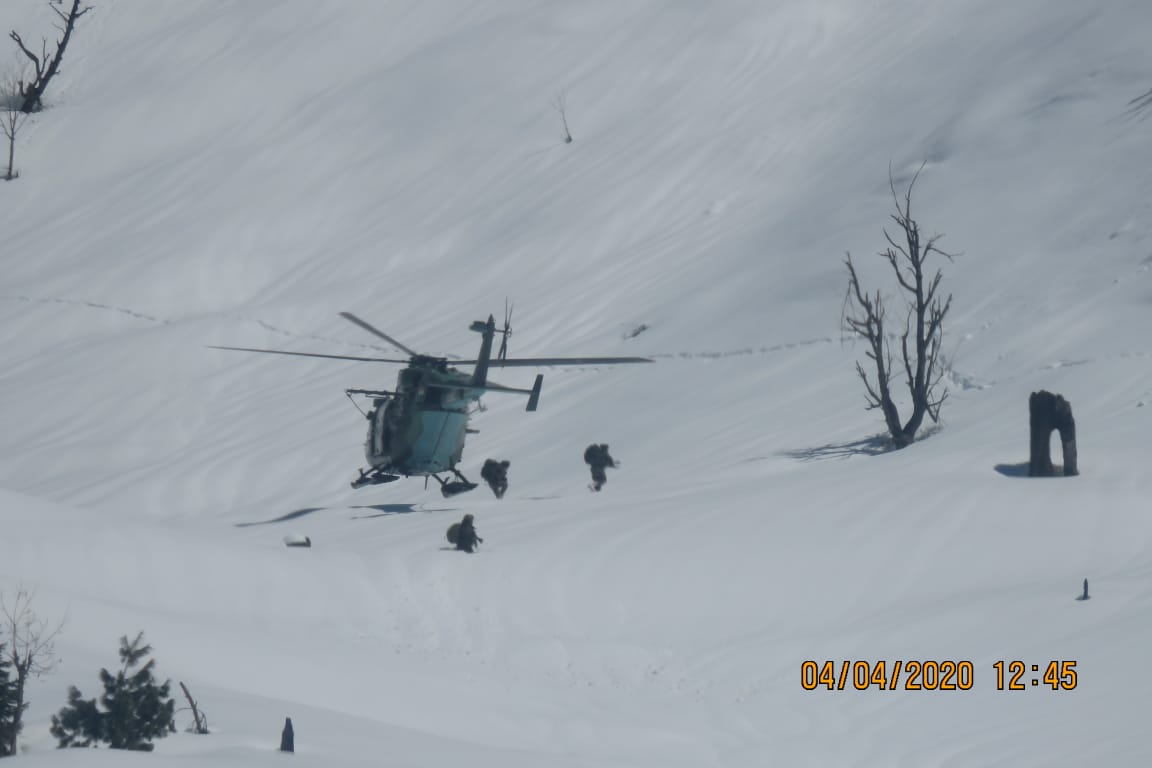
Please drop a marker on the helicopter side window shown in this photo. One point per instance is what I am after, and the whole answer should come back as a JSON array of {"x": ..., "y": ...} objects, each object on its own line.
[{"x": 433, "y": 397}]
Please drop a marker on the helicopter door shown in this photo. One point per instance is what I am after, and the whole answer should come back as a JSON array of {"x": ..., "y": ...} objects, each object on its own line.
[{"x": 380, "y": 427}]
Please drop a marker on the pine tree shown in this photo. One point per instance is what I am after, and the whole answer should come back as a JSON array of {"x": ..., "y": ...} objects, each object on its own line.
[
  {"x": 135, "y": 709},
  {"x": 8, "y": 704},
  {"x": 80, "y": 724}
]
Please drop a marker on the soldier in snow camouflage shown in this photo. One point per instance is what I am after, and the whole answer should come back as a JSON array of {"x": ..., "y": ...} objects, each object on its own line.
[{"x": 596, "y": 456}]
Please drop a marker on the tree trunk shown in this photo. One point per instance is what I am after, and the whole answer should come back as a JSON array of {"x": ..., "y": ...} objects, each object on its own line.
[
  {"x": 199, "y": 725},
  {"x": 1067, "y": 426},
  {"x": 18, "y": 711},
  {"x": 1047, "y": 412},
  {"x": 11, "y": 154}
]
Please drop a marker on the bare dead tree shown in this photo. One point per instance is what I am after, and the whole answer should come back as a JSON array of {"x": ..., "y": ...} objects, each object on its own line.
[
  {"x": 46, "y": 66},
  {"x": 30, "y": 646},
  {"x": 920, "y": 344},
  {"x": 11, "y": 119},
  {"x": 561, "y": 107},
  {"x": 199, "y": 719}
]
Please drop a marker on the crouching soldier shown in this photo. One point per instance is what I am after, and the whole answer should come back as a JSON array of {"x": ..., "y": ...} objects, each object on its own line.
[
  {"x": 597, "y": 457},
  {"x": 466, "y": 538},
  {"x": 495, "y": 473}
]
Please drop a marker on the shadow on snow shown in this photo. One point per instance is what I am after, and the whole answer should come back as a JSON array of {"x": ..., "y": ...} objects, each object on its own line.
[
  {"x": 1021, "y": 470},
  {"x": 382, "y": 510},
  {"x": 869, "y": 446},
  {"x": 283, "y": 518}
]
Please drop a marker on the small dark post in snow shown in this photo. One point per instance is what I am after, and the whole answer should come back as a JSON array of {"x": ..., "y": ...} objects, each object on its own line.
[
  {"x": 1085, "y": 595},
  {"x": 1047, "y": 412},
  {"x": 287, "y": 737}
]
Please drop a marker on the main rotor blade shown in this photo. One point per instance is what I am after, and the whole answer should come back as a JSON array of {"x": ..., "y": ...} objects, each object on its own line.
[
  {"x": 547, "y": 361},
  {"x": 313, "y": 354},
  {"x": 377, "y": 332}
]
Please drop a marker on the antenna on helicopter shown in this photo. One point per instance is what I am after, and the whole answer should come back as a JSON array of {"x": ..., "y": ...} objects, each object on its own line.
[{"x": 503, "y": 353}]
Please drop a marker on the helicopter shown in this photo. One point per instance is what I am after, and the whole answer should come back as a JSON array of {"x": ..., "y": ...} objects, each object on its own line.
[{"x": 419, "y": 428}]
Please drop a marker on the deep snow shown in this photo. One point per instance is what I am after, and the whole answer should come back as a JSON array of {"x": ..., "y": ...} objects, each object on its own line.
[{"x": 213, "y": 172}]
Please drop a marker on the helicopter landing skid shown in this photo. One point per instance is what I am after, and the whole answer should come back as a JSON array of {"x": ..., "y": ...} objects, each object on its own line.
[
  {"x": 373, "y": 477},
  {"x": 450, "y": 488}
]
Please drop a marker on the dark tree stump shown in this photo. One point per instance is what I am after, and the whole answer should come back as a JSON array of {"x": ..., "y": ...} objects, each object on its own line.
[
  {"x": 1047, "y": 412},
  {"x": 287, "y": 737}
]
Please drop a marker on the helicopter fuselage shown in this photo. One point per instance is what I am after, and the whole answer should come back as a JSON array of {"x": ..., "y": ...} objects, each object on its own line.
[{"x": 421, "y": 428}]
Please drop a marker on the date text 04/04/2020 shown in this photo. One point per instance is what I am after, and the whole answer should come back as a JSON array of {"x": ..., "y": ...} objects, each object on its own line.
[{"x": 930, "y": 675}]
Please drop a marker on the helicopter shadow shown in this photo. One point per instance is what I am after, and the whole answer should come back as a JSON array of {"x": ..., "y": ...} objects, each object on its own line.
[
  {"x": 382, "y": 510},
  {"x": 387, "y": 510}
]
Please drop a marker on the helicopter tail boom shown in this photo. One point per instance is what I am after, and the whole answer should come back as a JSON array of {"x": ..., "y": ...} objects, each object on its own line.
[{"x": 533, "y": 393}]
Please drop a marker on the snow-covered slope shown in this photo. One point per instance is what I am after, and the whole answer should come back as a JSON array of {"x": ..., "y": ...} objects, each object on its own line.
[{"x": 229, "y": 173}]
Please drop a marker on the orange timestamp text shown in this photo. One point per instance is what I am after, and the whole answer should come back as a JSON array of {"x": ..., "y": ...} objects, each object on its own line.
[
  {"x": 1013, "y": 675},
  {"x": 931, "y": 675},
  {"x": 911, "y": 675}
]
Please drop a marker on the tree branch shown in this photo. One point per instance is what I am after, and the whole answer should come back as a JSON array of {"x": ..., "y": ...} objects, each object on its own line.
[
  {"x": 20, "y": 43},
  {"x": 47, "y": 68},
  {"x": 872, "y": 398}
]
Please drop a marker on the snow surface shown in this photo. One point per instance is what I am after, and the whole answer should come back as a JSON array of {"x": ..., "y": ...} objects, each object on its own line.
[{"x": 215, "y": 172}]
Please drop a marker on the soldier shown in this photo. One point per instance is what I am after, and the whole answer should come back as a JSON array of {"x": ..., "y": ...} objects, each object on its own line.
[
  {"x": 466, "y": 538},
  {"x": 495, "y": 473},
  {"x": 597, "y": 457}
]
